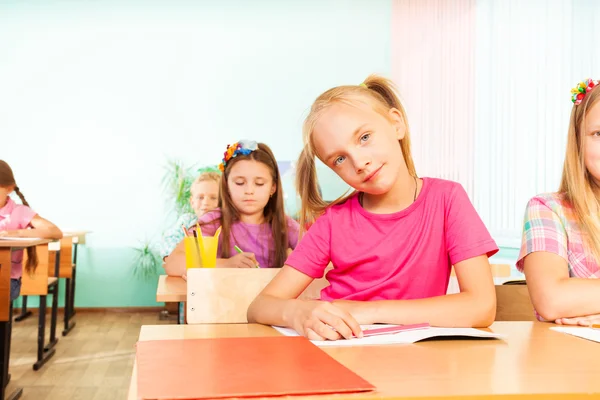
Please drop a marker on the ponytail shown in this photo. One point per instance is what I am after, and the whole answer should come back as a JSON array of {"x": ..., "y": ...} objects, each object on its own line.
[{"x": 32, "y": 257}]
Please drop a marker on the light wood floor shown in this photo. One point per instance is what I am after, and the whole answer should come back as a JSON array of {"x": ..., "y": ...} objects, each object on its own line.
[{"x": 93, "y": 362}]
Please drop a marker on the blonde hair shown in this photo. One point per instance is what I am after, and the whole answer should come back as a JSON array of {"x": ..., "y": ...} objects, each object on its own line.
[
  {"x": 577, "y": 184},
  {"x": 376, "y": 92},
  {"x": 207, "y": 176}
]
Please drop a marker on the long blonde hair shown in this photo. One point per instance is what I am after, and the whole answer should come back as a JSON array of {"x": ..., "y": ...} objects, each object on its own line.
[
  {"x": 376, "y": 92},
  {"x": 577, "y": 184}
]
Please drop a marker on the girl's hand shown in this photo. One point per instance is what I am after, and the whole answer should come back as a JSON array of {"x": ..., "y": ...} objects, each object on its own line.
[
  {"x": 241, "y": 260},
  {"x": 580, "y": 321},
  {"x": 357, "y": 309},
  {"x": 320, "y": 320}
]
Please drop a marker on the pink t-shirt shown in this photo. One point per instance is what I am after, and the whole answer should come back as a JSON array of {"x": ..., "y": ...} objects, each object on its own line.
[
  {"x": 404, "y": 255},
  {"x": 15, "y": 216},
  {"x": 257, "y": 239}
]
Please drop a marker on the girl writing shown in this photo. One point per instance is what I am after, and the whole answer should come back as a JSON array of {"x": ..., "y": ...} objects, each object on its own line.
[{"x": 392, "y": 242}]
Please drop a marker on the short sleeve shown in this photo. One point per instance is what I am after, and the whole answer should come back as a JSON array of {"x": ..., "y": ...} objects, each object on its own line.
[
  {"x": 312, "y": 254},
  {"x": 543, "y": 230},
  {"x": 23, "y": 215},
  {"x": 293, "y": 229},
  {"x": 466, "y": 234}
]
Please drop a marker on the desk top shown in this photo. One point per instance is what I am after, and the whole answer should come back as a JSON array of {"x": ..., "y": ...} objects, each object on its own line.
[
  {"x": 21, "y": 244},
  {"x": 171, "y": 289},
  {"x": 532, "y": 362}
]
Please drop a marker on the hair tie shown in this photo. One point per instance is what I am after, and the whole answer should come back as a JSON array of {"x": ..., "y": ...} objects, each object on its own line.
[
  {"x": 584, "y": 87},
  {"x": 363, "y": 85},
  {"x": 243, "y": 147}
]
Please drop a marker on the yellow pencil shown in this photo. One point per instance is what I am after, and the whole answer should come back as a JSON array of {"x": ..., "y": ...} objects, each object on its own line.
[{"x": 595, "y": 326}]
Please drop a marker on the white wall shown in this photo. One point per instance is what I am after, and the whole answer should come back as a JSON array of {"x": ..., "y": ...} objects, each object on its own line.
[{"x": 95, "y": 96}]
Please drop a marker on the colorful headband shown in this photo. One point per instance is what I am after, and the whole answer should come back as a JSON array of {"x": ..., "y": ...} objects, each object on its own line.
[
  {"x": 578, "y": 92},
  {"x": 243, "y": 147}
]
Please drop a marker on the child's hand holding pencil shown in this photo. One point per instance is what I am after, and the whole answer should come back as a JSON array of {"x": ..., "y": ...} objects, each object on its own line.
[{"x": 243, "y": 260}]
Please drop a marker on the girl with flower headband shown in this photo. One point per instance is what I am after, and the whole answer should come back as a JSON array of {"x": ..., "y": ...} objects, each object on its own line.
[
  {"x": 251, "y": 216},
  {"x": 392, "y": 242},
  {"x": 560, "y": 252}
]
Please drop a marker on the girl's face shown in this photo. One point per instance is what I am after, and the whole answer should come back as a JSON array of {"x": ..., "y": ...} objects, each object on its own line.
[
  {"x": 591, "y": 152},
  {"x": 205, "y": 197},
  {"x": 250, "y": 186},
  {"x": 361, "y": 146}
]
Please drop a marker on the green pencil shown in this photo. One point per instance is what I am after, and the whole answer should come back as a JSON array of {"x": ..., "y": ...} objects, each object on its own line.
[{"x": 240, "y": 251}]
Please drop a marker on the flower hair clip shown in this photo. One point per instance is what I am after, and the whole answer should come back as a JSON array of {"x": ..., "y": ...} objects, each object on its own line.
[
  {"x": 243, "y": 147},
  {"x": 578, "y": 92}
]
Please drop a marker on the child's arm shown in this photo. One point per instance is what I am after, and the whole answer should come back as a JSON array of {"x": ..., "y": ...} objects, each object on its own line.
[
  {"x": 278, "y": 305},
  {"x": 40, "y": 228},
  {"x": 553, "y": 293},
  {"x": 474, "y": 306},
  {"x": 174, "y": 264}
]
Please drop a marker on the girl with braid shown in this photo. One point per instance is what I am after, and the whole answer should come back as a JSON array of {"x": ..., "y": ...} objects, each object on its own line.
[{"x": 18, "y": 220}]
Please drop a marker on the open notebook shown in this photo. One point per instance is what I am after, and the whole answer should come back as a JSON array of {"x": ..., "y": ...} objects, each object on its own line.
[
  {"x": 402, "y": 337},
  {"x": 240, "y": 367}
]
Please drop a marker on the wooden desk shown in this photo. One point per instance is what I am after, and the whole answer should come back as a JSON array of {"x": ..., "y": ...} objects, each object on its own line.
[
  {"x": 533, "y": 362},
  {"x": 6, "y": 246},
  {"x": 171, "y": 289}
]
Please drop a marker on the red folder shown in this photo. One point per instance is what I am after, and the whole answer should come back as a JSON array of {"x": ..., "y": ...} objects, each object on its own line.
[{"x": 240, "y": 367}]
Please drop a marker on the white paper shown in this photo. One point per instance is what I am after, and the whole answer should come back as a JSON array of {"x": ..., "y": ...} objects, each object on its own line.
[
  {"x": 580, "y": 331},
  {"x": 406, "y": 337}
]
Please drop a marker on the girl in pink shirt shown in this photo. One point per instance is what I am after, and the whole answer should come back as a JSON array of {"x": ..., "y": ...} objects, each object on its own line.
[
  {"x": 392, "y": 242},
  {"x": 252, "y": 215},
  {"x": 18, "y": 220}
]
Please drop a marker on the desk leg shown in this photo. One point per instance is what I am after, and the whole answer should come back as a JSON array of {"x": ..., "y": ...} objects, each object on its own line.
[
  {"x": 5, "y": 337},
  {"x": 72, "y": 311},
  {"x": 68, "y": 307},
  {"x": 24, "y": 313},
  {"x": 42, "y": 356},
  {"x": 53, "y": 318}
]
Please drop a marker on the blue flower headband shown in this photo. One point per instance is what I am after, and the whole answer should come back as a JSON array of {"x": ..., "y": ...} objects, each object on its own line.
[{"x": 243, "y": 147}]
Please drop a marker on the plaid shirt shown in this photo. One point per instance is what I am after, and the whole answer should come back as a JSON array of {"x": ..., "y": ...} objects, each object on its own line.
[{"x": 550, "y": 226}]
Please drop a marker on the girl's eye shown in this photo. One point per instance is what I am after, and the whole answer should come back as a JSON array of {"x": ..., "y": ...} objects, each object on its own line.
[
  {"x": 260, "y": 184},
  {"x": 339, "y": 160},
  {"x": 365, "y": 137},
  {"x": 239, "y": 183},
  {"x": 596, "y": 134}
]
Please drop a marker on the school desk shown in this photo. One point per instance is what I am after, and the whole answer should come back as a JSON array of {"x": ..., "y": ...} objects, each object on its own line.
[
  {"x": 534, "y": 362},
  {"x": 172, "y": 289},
  {"x": 6, "y": 246}
]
